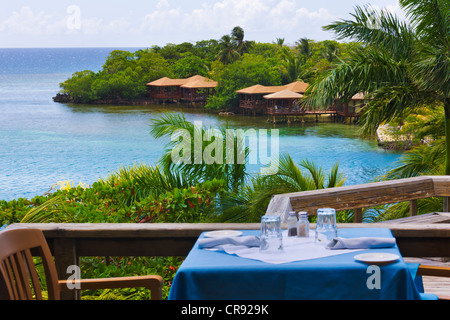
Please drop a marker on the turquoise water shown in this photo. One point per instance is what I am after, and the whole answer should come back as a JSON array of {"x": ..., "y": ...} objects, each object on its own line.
[{"x": 43, "y": 142}]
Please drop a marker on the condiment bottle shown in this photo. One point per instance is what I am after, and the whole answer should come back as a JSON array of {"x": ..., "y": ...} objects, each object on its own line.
[
  {"x": 303, "y": 224},
  {"x": 292, "y": 224}
]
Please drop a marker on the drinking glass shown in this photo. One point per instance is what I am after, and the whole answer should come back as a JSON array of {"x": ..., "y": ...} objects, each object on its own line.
[
  {"x": 326, "y": 227},
  {"x": 271, "y": 239}
]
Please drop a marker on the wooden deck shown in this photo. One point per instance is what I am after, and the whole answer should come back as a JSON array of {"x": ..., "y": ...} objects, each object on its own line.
[{"x": 436, "y": 285}]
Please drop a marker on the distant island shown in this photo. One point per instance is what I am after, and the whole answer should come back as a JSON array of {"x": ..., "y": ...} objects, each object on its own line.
[{"x": 231, "y": 62}]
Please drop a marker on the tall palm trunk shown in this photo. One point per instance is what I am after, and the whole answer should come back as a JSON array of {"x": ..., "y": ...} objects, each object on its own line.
[{"x": 447, "y": 135}]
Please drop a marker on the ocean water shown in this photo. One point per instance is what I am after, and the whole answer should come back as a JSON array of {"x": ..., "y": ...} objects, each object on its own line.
[{"x": 43, "y": 142}]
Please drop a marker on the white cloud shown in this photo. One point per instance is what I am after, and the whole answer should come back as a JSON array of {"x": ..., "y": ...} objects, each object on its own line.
[
  {"x": 256, "y": 17},
  {"x": 25, "y": 21},
  {"x": 28, "y": 22},
  {"x": 164, "y": 18},
  {"x": 170, "y": 21}
]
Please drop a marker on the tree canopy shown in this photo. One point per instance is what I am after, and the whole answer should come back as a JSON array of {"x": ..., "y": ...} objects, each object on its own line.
[
  {"x": 403, "y": 66},
  {"x": 233, "y": 61}
]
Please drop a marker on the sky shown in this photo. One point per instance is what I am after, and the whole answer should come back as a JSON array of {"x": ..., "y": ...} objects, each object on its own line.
[{"x": 144, "y": 23}]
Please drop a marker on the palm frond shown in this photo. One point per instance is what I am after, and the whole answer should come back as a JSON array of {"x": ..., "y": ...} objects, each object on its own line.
[
  {"x": 394, "y": 102},
  {"x": 379, "y": 28},
  {"x": 365, "y": 70},
  {"x": 430, "y": 18},
  {"x": 401, "y": 210},
  {"x": 335, "y": 178},
  {"x": 427, "y": 159},
  {"x": 44, "y": 212},
  {"x": 316, "y": 173},
  {"x": 252, "y": 200},
  {"x": 167, "y": 123},
  {"x": 222, "y": 165}
]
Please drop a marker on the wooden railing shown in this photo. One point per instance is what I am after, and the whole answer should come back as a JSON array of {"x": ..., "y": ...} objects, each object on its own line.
[
  {"x": 362, "y": 196},
  {"x": 68, "y": 242}
]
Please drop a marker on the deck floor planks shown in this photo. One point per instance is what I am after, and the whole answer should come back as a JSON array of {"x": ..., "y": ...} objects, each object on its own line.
[{"x": 437, "y": 285}]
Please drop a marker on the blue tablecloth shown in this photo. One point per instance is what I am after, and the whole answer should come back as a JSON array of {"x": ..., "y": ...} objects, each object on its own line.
[{"x": 209, "y": 275}]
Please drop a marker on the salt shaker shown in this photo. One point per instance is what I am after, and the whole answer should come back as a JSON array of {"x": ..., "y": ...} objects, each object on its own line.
[
  {"x": 292, "y": 224},
  {"x": 303, "y": 224}
]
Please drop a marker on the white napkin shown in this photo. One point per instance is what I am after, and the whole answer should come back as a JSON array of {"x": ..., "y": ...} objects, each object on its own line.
[
  {"x": 294, "y": 249},
  {"x": 246, "y": 241},
  {"x": 360, "y": 243}
]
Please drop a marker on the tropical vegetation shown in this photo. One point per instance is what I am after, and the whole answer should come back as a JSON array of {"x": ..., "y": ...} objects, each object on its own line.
[
  {"x": 404, "y": 67},
  {"x": 232, "y": 61}
]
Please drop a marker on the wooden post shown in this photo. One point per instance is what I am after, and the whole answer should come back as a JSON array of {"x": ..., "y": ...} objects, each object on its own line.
[
  {"x": 413, "y": 207},
  {"x": 445, "y": 207},
  {"x": 65, "y": 256},
  {"x": 357, "y": 212}
]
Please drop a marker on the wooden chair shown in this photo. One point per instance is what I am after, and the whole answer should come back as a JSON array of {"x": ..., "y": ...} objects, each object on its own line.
[
  {"x": 19, "y": 279},
  {"x": 435, "y": 271}
]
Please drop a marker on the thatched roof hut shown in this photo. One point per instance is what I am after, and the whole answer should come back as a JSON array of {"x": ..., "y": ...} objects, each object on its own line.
[{"x": 283, "y": 94}]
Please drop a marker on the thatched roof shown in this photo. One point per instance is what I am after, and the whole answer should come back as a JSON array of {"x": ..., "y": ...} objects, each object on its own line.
[
  {"x": 297, "y": 86},
  {"x": 359, "y": 96},
  {"x": 258, "y": 89},
  {"x": 192, "y": 82},
  {"x": 199, "y": 82},
  {"x": 167, "y": 82},
  {"x": 283, "y": 94}
]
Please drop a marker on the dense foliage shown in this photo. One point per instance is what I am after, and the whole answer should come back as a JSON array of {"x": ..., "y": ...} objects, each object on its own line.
[{"x": 233, "y": 62}]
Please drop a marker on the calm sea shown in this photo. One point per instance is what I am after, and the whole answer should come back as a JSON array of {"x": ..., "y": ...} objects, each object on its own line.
[{"x": 43, "y": 142}]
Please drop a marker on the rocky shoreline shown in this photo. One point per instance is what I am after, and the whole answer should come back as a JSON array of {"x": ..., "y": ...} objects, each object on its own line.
[
  {"x": 66, "y": 98},
  {"x": 388, "y": 141}
]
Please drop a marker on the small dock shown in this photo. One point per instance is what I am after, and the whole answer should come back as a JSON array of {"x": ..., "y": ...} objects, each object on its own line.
[{"x": 296, "y": 114}]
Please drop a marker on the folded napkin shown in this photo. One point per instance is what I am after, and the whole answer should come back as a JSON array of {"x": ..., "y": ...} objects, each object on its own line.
[
  {"x": 247, "y": 241},
  {"x": 360, "y": 243}
]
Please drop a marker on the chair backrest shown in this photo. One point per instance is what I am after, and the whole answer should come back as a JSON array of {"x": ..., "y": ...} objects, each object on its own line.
[{"x": 18, "y": 276}]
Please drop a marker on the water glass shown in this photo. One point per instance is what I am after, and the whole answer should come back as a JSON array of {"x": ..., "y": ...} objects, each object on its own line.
[
  {"x": 271, "y": 239},
  {"x": 326, "y": 227}
]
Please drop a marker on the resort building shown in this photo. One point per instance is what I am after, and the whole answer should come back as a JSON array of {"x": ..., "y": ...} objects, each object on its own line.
[
  {"x": 283, "y": 103},
  {"x": 351, "y": 109},
  {"x": 194, "y": 89},
  {"x": 252, "y": 98}
]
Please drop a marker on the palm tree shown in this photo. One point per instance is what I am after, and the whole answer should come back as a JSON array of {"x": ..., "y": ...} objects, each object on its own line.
[
  {"x": 237, "y": 35},
  {"x": 330, "y": 51},
  {"x": 402, "y": 66},
  {"x": 227, "y": 53},
  {"x": 304, "y": 47},
  {"x": 250, "y": 203},
  {"x": 292, "y": 64},
  {"x": 280, "y": 42},
  {"x": 198, "y": 170}
]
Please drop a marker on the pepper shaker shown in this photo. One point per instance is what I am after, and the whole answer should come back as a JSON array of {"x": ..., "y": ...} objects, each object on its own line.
[{"x": 292, "y": 224}]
